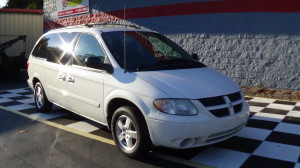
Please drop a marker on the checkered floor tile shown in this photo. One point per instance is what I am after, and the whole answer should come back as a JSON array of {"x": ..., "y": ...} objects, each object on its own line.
[{"x": 271, "y": 137}]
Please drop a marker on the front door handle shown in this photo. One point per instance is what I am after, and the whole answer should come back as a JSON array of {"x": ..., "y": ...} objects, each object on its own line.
[
  {"x": 62, "y": 77},
  {"x": 70, "y": 79}
]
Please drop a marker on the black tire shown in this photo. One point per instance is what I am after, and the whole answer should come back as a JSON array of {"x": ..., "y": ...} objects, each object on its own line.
[
  {"x": 41, "y": 101},
  {"x": 135, "y": 140}
]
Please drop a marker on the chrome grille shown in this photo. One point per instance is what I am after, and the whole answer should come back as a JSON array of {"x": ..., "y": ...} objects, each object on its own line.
[
  {"x": 222, "y": 106},
  {"x": 235, "y": 96},
  {"x": 238, "y": 108},
  {"x": 212, "y": 101},
  {"x": 220, "y": 112}
]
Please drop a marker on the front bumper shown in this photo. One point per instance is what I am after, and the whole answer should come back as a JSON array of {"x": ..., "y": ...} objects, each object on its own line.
[{"x": 190, "y": 135}]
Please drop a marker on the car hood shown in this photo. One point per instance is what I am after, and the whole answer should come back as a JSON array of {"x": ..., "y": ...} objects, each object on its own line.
[{"x": 190, "y": 83}]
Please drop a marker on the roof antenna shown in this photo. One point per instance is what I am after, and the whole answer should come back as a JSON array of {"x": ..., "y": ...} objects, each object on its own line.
[{"x": 125, "y": 63}]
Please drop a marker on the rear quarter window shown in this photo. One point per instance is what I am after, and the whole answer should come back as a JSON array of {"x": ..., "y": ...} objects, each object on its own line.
[{"x": 55, "y": 47}]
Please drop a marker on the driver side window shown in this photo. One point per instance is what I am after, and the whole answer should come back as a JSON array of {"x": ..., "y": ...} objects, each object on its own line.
[{"x": 87, "y": 46}]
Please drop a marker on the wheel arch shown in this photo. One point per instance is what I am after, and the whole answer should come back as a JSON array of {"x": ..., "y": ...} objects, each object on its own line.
[
  {"x": 118, "y": 98},
  {"x": 116, "y": 103},
  {"x": 37, "y": 78},
  {"x": 34, "y": 81}
]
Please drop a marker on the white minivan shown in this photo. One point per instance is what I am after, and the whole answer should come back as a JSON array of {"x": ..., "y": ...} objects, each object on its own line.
[{"x": 141, "y": 85}]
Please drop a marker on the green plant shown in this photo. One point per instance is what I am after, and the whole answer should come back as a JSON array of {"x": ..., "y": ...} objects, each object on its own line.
[
  {"x": 75, "y": 2},
  {"x": 259, "y": 86}
]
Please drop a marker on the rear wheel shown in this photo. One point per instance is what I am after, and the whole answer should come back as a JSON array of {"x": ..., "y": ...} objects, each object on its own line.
[
  {"x": 41, "y": 101},
  {"x": 130, "y": 132}
]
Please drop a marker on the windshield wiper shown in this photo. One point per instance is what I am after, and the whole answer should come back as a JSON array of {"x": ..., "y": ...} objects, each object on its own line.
[
  {"x": 172, "y": 61},
  {"x": 171, "y": 64},
  {"x": 147, "y": 67}
]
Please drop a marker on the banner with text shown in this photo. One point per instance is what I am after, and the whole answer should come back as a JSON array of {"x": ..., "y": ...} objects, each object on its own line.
[{"x": 72, "y": 7}]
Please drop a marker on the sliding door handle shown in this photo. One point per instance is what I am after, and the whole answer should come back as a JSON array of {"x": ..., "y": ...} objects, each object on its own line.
[
  {"x": 70, "y": 79},
  {"x": 62, "y": 77}
]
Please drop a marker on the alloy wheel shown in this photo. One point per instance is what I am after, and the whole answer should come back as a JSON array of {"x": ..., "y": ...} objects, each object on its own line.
[
  {"x": 126, "y": 132},
  {"x": 39, "y": 96}
]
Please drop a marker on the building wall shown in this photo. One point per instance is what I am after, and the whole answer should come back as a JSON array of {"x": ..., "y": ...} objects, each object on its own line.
[
  {"x": 255, "y": 42},
  {"x": 15, "y": 22}
]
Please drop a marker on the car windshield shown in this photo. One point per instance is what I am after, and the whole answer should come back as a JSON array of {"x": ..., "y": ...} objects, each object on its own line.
[{"x": 147, "y": 51}]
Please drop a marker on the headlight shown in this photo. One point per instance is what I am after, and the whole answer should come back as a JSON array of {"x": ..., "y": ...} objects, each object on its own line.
[{"x": 175, "y": 106}]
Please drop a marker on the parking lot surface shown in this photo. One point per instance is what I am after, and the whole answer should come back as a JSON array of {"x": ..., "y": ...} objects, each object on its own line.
[{"x": 270, "y": 139}]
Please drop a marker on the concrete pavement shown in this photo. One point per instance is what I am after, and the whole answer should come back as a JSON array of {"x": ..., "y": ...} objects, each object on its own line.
[{"x": 28, "y": 143}]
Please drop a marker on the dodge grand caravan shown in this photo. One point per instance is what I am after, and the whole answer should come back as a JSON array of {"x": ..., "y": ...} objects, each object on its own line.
[{"x": 141, "y": 85}]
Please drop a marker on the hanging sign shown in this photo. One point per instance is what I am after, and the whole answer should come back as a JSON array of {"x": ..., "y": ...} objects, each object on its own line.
[{"x": 72, "y": 7}]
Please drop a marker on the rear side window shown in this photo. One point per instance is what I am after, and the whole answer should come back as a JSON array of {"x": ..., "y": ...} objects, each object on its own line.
[
  {"x": 40, "y": 48},
  {"x": 56, "y": 47},
  {"x": 87, "y": 46}
]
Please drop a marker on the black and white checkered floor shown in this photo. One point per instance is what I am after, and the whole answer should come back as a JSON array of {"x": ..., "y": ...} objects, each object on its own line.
[{"x": 270, "y": 139}]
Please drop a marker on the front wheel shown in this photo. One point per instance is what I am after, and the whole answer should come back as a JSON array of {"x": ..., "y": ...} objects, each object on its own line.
[
  {"x": 130, "y": 132},
  {"x": 41, "y": 101}
]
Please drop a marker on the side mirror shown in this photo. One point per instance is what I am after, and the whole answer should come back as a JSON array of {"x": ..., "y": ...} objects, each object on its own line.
[
  {"x": 95, "y": 62},
  {"x": 195, "y": 56}
]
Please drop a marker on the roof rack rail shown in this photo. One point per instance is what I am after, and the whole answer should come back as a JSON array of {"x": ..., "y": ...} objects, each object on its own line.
[
  {"x": 113, "y": 24},
  {"x": 74, "y": 26},
  {"x": 98, "y": 23}
]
